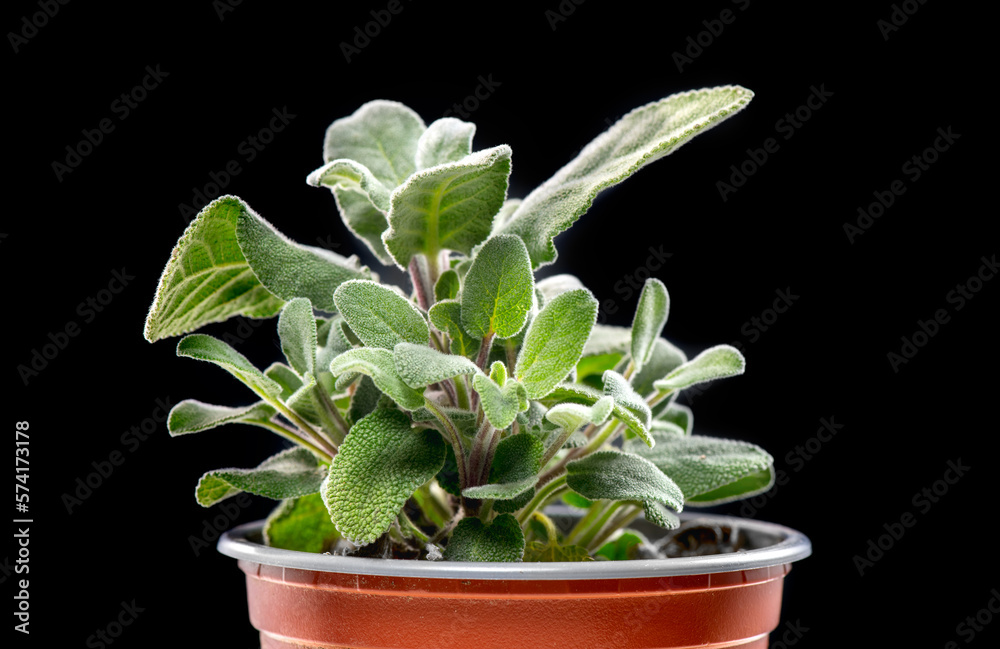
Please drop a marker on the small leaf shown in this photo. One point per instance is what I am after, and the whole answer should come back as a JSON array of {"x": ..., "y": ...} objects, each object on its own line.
[
  {"x": 642, "y": 136},
  {"x": 555, "y": 285},
  {"x": 497, "y": 293},
  {"x": 571, "y": 416},
  {"x": 664, "y": 359},
  {"x": 363, "y": 219},
  {"x": 650, "y": 317},
  {"x": 419, "y": 365},
  {"x": 378, "y": 467},
  {"x": 714, "y": 363},
  {"x": 332, "y": 343},
  {"x": 554, "y": 341},
  {"x": 364, "y": 401},
  {"x": 538, "y": 551},
  {"x": 500, "y": 405},
  {"x": 379, "y": 365},
  {"x": 447, "y": 286},
  {"x": 303, "y": 401},
  {"x": 291, "y": 473},
  {"x": 285, "y": 377},
  {"x": 630, "y": 407},
  {"x": 498, "y": 372},
  {"x": 291, "y": 270},
  {"x": 379, "y": 316},
  {"x": 614, "y": 475},
  {"x": 297, "y": 331},
  {"x": 679, "y": 415},
  {"x": 472, "y": 540},
  {"x": 203, "y": 347},
  {"x": 515, "y": 467},
  {"x": 608, "y": 339},
  {"x": 191, "y": 416},
  {"x": 622, "y": 548},
  {"x": 301, "y": 524},
  {"x": 446, "y": 316},
  {"x": 574, "y": 499},
  {"x": 207, "y": 278},
  {"x": 660, "y": 516},
  {"x": 344, "y": 173},
  {"x": 446, "y": 140}
]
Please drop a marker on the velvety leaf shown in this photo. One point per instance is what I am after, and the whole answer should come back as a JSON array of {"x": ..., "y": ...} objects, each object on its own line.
[
  {"x": 622, "y": 548},
  {"x": 364, "y": 401},
  {"x": 332, "y": 343},
  {"x": 379, "y": 365},
  {"x": 645, "y": 134},
  {"x": 556, "y": 285},
  {"x": 515, "y": 467},
  {"x": 554, "y": 341},
  {"x": 630, "y": 407},
  {"x": 660, "y": 516},
  {"x": 192, "y": 416},
  {"x": 574, "y": 499},
  {"x": 378, "y": 467},
  {"x": 446, "y": 316},
  {"x": 446, "y": 140},
  {"x": 447, "y": 207},
  {"x": 498, "y": 372},
  {"x": 285, "y": 377},
  {"x": 497, "y": 292},
  {"x": 679, "y": 415},
  {"x": 291, "y": 473},
  {"x": 665, "y": 358},
  {"x": 350, "y": 174},
  {"x": 420, "y": 365},
  {"x": 362, "y": 218},
  {"x": 614, "y": 475},
  {"x": 500, "y": 405},
  {"x": 571, "y": 416},
  {"x": 207, "y": 278},
  {"x": 303, "y": 401},
  {"x": 472, "y": 540},
  {"x": 203, "y": 347},
  {"x": 301, "y": 524},
  {"x": 650, "y": 317},
  {"x": 447, "y": 286},
  {"x": 297, "y": 332},
  {"x": 608, "y": 339},
  {"x": 751, "y": 485},
  {"x": 291, "y": 270},
  {"x": 379, "y": 316},
  {"x": 713, "y": 363}
]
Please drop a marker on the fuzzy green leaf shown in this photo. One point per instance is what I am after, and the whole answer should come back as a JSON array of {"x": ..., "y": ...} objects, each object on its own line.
[
  {"x": 650, "y": 317},
  {"x": 630, "y": 407},
  {"x": 379, "y": 316},
  {"x": 660, "y": 516},
  {"x": 420, "y": 365},
  {"x": 447, "y": 286},
  {"x": 622, "y": 548},
  {"x": 680, "y": 416},
  {"x": 203, "y": 347},
  {"x": 665, "y": 358},
  {"x": 446, "y": 140},
  {"x": 285, "y": 377},
  {"x": 350, "y": 174},
  {"x": 498, "y": 372},
  {"x": 556, "y": 285},
  {"x": 291, "y": 270},
  {"x": 642, "y": 136},
  {"x": 497, "y": 293},
  {"x": 291, "y": 473},
  {"x": 379, "y": 365},
  {"x": 297, "y": 332},
  {"x": 301, "y": 524},
  {"x": 714, "y": 363},
  {"x": 447, "y": 207},
  {"x": 446, "y": 316},
  {"x": 472, "y": 540},
  {"x": 364, "y": 401},
  {"x": 614, "y": 475},
  {"x": 192, "y": 416},
  {"x": 362, "y": 218},
  {"x": 501, "y": 405},
  {"x": 514, "y": 470},
  {"x": 207, "y": 278},
  {"x": 571, "y": 416},
  {"x": 378, "y": 467},
  {"x": 555, "y": 340}
]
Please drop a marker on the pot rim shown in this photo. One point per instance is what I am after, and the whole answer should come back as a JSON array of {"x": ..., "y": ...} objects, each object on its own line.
[{"x": 790, "y": 545}]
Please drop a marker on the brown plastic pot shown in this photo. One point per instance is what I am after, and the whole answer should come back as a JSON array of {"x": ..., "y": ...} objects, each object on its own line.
[{"x": 299, "y": 599}]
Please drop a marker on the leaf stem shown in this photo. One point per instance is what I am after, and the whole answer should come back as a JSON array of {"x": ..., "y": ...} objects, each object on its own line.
[
  {"x": 407, "y": 527},
  {"x": 431, "y": 506},
  {"x": 291, "y": 436},
  {"x": 331, "y": 417},
  {"x": 456, "y": 440},
  {"x": 485, "y": 510},
  {"x": 623, "y": 518},
  {"x": 541, "y": 498},
  {"x": 461, "y": 392},
  {"x": 586, "y": 537}
]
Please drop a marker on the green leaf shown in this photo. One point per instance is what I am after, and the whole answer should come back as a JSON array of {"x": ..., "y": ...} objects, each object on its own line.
[
  {"x": 419, "y": 365},
  {"x": 446, "y": 316},
  {"x": 555, "y": 340},
  {"x": 207, "y": 278},
  {"x": 447, "y": 286},
  {"x": 501, "y": 405},
  {"x": 576, "y": 500},
  {"x": 297, "y": 331},
  {"x": 665, "y": 358},
  {"x": 447, "y": 207},
  {"x": 538, "y": 551},
  {"x": 650, "y": 317},
  {"x": 362, "y": 218},
  {"x": 515, "y": 467},
  {"x": 379, "y": 316},
  {"x": 645, "y": 134},
  {"x": 498, "y": 372},
  {"x": 556, "y": 285},
  {"x": 702, "y": 466},
  {"x": 382, "y": 135},
  {"x": 203, "y": 347},
  {"x": 497, "y": 293},
  {"x": 332, "y": 343},
  {"x": 349, "y": 174},
  {"x": 285, "y": 377},
  {"x": 192, "y": 416},
  {"x": 301, "y": 524},
  {"x": 472, "y": 540},
  {"x": 379, "y": 365},
  {"x": 615, "y": 475},
  {"x": 571, "y": 416},
  {"x": 291, "y": 473},
  {"x": 660, "y": 516},
  {"x": 608, "y": 339},
  {"x": 590, "y": 369},
  {"x": 714, "y": 363},
  {"x": 303, "y": 401},
  {"x": 378, "y": 467},
  {"x": 446, "y": 140},
  {"x": 622, "y": 548},
  {"x": 291, "y": 270},
  {"x": 364, "y": 401},
  {"x": 680, "y": 416},
  {"x": 630, "y": 407}
]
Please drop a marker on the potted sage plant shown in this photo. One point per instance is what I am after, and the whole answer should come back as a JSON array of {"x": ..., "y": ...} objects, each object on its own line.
[{"x": 474, "y": 441}]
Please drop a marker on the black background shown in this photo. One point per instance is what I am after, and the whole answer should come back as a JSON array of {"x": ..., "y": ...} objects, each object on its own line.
[{"x": 557, "y": 84}]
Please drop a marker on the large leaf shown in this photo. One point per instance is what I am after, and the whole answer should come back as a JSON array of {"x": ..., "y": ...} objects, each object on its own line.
[
  {"x": 192, "y": 416},
  {"x": 554, "y": 341},
  {"x": 301, "y": 524},
  {"x": 291, "y": 270},
  {"x": 291, "y": 473},
  {"x": 447, "y": 207},
  {"x": 378, "y": 467},
  {"x": 497, "y": 292},
  {"x": 446, "y": 140},
  {"x": 379, "y": 316},
  {"x": 379, "y": 365},
  {"x": 419, "y": 365},
  {"x": 515, "y": 467},
  {"x": 207, "y": 278},
  {"x": 615, "y": 475},
  {"x": 472, "y": 540},
  {"x": 297, "y": 332},
  {"x": 645, "y": 134},
  {"x": 714, "y": 363},
  {"x": 650, "y": 317},
  {"x": 203, "y": 347}
]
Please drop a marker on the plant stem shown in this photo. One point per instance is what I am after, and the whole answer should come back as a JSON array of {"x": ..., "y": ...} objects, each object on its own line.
[
  {"x": 485, "y": 510},
  {"x": 423, "y": 286},
  {"x": 555, "y": 446},
  {"x": 407, "y": 527},
  {"x": 331, "y": 417},
  {"x": 477, "y": 456},
  {"x": 484, "y": 352},
  {"x": 456, "y": 440},
  {"x": 542, "y": 496},
  {"x": 435, "y": 511},
  {"x": 461, "y": 392},
  {"x": 629, "y": 514},
  {"x": 291, "y": 436},
  {"x": 587, "y": 536}
]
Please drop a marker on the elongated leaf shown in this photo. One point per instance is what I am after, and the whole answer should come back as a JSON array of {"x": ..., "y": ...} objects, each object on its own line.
[
  {"x": 203, "y": 347},
  {"x": 664, "y": 360},
  {"x": 500, "y": 404},
  {"x": 571, "y": 416},
  {"x": 497, "y": 292},
  {"x": 379, "y": 365},
  {"x": 472, "y": 540},
  {"x": 382, "y": 135},
  {"x": 379, "y": 316},
  {"x": 192, "y": 416},
  {"x": 622, "y": 548},
  {"x": 646, "y": 134},
  {"x": 378, "y": 467},
  {"x": 446, "y": 316},
  {"x": 608, "y": 339},
  {"x": 291, "y": 473},
  {"x": 447, "y": 207},
  {"x": 350, "y": 174},
  {"x": 650, "y": 317},
  {"x": 301, "y": 524},
  {"x": 498, "y": 372},
  {"x": 297, "y": 331},
  {"x": 291, "y": 270},
  {"x": 630, "y": 407},
  {"x": 554, "y": 341},
  {"x": 419, "y": 365},
  {"x": 714, "y": 363},
  {"x": 285, "y": 377},
  {"x": 446, "y": 140},
  {"x": 207, "y": 278},
  {"x": 614, "y": 475},
  {"x": 361, "y": 217},
  {"x": 516, "y": 463}
]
